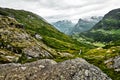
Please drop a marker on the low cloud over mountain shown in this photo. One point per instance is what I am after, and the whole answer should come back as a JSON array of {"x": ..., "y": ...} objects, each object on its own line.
[{"x": 54, "y": 10}]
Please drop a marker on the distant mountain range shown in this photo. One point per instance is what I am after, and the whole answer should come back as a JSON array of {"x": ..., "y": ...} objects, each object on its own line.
[
  {"x": 64, "y": 26},
  {"x": 70, "y": 28},
  {"x": 85, "y": 24}
]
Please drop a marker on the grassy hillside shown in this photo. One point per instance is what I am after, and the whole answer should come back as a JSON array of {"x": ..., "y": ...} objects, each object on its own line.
[
  {"x": 103, "y": 35},
  {"x": 35, "y": 24},
  {"x": 16, "y": 45},
  {"x": 107, "y": 30},
  {"x": 110, "y": 21}
]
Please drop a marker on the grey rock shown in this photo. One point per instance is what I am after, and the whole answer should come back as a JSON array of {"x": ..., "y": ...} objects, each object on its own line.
[
  {"x": 46, "y": 69},
  {"x": 113, "y": 63},
  {"x": 37, "y": 36},
  {"x": 116, "y": 64}
]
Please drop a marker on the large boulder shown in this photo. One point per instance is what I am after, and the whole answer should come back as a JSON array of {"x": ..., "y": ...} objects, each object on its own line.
[{"x": 75, "y": 69}]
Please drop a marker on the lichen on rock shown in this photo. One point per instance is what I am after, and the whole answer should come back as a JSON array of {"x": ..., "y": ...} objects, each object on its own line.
[{"x": 46, "y": 69}]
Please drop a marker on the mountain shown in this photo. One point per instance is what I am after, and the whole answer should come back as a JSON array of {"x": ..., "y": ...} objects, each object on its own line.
[
  {"x": 110, "y": 21},
  {"x": 37, "y": 39},
  {"x": 35, "y": 24},
  {"x": 69, "y": 28},
  {"x": 85, "y": 24},
  {"x": 108, "y": 29},
  {"x": 64, "y": 26}
]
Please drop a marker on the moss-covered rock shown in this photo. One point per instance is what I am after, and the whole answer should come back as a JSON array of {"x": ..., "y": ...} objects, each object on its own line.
[{"x": 16, "y": 40}]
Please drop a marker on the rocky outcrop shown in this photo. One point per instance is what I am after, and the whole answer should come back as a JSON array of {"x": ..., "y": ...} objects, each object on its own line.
[
  {"x": 15, "y": 41},
  {"x": 113, "y": 63},
  {"x": 75, "y": 69}
]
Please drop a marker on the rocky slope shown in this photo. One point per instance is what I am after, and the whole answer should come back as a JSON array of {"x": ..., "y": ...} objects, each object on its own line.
[
  {"x": 50, "y": 36},
  {"x": 16, "y": 42},
  {"x": 64, "y": 26},
  {"x": 76, "y": 69}
]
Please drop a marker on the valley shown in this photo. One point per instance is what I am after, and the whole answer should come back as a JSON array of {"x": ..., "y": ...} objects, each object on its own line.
[{"x": 30, "y": 46}]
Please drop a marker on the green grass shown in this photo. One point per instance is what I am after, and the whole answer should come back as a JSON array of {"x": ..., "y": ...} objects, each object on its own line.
[
  {"x": 101, "y": 35},
  {"x": 35, "y": 24},
  {"x": 98, "y": 44},
  {"x": 113, "y": 31}
]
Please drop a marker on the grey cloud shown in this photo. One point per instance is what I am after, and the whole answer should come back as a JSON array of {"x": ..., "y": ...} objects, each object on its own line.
[
  {"x": 61, "y": 4},
  {"x": 54, "y": 10}
]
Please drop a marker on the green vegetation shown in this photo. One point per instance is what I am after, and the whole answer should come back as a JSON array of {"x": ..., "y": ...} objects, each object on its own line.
[
  {"x": 35, "y": 24},
  {"x": 97, "y": 45},
  {"x": 7, "y": 56},
  {"x": 23, "y": 59},
  {"x": 107, "y": 30},
  {"x": 102, "y": 35},
  {"x": 99, "y": 55},
  {"x": 110, "y": 21}
]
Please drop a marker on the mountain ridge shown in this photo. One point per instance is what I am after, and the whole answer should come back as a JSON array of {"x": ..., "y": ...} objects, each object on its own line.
[
  {"x": 107, "y": 30},
  {"x": 34, "y": 24},
  {"x": 85, "y": 24},
  {"x": 110, "y": 21},
  {"x": 64, "y": 26}
]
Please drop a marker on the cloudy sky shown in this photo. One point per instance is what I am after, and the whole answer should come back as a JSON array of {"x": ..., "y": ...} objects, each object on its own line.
[{"x": 54, "y": 10}]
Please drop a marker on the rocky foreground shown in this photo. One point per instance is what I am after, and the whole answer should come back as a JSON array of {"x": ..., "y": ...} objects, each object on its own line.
[
  {"x": 113, "y": 63},
  {"x": 46, "y": 69}
]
